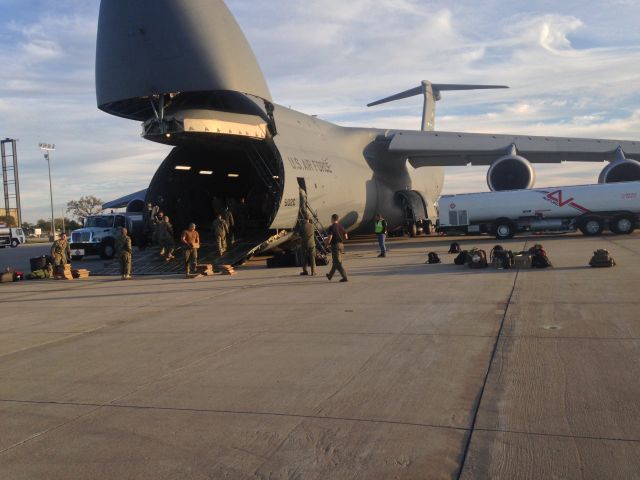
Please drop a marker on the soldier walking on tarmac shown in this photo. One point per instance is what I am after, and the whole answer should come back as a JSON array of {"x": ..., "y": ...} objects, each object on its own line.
[
  {"x": 165, "y": 237},
  {"x": 191, "y": 240},
  {"x": 123, "y": 252},
  {"x": 307, "y": 235},
  {"x": 219, "y": 231},
  {"x": 336, "y": 235},
  {"x": 60, "y": 252}
]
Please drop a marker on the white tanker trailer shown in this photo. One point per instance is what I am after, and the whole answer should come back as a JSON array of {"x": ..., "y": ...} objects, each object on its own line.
[{"x": 589, "y": 208}]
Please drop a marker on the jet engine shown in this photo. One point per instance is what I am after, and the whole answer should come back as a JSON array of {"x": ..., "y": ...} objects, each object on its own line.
[
  {"x": 621, "y": 170},
  {"x": 511, "y": 172}
]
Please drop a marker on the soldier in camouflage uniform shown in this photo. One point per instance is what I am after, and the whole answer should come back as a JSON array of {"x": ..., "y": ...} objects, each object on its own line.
[
  {"x": 165, "y": 237},
  {"x": 219, "y": 232},
  {"x": 229, "y": 220},
  {"x": 60, "y": 252},
  {"x": 307, "y": 235},
  {"x": 123, "y": 252}
]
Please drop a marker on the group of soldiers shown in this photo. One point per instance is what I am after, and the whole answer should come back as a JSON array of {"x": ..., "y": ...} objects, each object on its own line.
[{"x": 160, "y": 231}]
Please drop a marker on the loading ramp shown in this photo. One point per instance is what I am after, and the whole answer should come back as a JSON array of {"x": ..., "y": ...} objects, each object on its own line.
[{"x": 149, "y": 262}]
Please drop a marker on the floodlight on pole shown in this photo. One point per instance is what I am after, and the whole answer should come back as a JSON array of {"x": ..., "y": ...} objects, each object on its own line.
[{"x": 48, "y": 147}]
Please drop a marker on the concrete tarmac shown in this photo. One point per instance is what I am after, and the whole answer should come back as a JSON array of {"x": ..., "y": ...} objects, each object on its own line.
[{"x": 408, "y": 371}]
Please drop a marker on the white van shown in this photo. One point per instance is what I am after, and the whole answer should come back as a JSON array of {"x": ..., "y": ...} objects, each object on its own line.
[{"x": 11, "y": 237}]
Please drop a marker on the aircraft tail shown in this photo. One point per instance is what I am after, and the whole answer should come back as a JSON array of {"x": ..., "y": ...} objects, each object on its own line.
[{"x": 431, "y": 93}]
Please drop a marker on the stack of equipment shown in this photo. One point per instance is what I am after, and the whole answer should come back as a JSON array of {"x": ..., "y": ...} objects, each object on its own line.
[
  {"x": 63, "y": 272},
  {"x": 225, "y": 269},
  {"x": 539, "y": 258},
  {"x": 80, "y": 273},
  {"x": 601, "y": 259},
  {"x": 205, "y": 269},
  {"x": 501, "y": 258}
]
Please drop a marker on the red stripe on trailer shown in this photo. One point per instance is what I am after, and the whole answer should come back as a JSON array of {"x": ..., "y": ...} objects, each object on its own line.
[{"x": 580, "y": 207}]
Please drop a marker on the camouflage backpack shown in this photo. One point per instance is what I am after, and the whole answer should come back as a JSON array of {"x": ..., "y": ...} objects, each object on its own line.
[{"x": 601, "y": 258}]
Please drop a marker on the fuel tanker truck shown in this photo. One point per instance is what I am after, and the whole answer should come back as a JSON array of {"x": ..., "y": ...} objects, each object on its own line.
[{"x": 588, "y": 208}]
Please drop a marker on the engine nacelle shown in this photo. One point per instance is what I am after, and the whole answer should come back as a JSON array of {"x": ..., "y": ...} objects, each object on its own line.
[
  {"x": 511, "y": 172},
  {"x": 623, "y": 170}
]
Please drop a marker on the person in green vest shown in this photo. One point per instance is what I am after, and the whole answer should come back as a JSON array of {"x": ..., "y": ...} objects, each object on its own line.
[
  {"x": 380, "y": 225},
  {"x": 123, "y": 252}
]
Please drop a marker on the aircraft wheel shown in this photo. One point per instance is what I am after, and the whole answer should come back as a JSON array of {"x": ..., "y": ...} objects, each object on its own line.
[
  {"x": 107, "y": 250},
  {"x": 591, "y": 226},
  {"x": 413, "y": 229},
  {"x": 623, "y": 225},
  {"x": 504, "y": 228}
]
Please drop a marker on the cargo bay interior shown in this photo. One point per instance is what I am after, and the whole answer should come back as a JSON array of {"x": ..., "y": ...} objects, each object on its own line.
[{"x": 194, "y": 183}]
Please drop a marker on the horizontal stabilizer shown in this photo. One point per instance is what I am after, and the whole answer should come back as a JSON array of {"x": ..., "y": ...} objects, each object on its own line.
[
  {"x": 437, "y": 87},
  {"x": 431, "y": 93}
]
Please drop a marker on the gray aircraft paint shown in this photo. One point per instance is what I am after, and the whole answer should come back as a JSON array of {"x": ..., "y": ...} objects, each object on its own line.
[{"x": 149, "y": 49}]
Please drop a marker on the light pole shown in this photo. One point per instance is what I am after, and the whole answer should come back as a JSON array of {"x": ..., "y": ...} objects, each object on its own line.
[{"x": 48, "y": 147}]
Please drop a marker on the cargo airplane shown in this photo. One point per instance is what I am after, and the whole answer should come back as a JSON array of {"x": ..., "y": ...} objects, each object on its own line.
[{"x": 184, "y": 69}]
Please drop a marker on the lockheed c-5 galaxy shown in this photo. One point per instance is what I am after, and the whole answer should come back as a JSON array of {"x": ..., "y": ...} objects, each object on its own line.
[{"x": 185, "y": 69}]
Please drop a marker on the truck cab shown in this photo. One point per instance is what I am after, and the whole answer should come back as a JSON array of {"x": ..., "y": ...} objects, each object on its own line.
[
  {"x": 11, "y": 237},
  {"x": 97, "y": 237}
]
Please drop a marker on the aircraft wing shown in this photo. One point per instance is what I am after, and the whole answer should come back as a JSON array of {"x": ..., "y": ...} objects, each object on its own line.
[{"x": 425, "y": 149}]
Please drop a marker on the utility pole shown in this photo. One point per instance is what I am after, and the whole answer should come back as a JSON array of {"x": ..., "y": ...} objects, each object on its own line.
[{"x": 48, "y": 147}]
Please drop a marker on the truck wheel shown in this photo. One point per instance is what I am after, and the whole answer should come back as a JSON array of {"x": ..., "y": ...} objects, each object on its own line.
[
  {"x": 591, "y": 226},
  {"x": 14, "y": 243},
  {"x": 107, "y": 250},
  {"x": 623, "y": 225},
  {"x": 504, "y": 229}
]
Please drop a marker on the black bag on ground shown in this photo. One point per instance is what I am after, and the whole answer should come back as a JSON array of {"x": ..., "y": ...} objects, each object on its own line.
[
  {"x": 454, "y": 248},
  {"x": 38, "y": 263},
  {"x": 601, "y": 259},
  {"x": 432, "y": 257},
  {"x": 477, "y": 258},
  {"x": 461, "y": 259}
]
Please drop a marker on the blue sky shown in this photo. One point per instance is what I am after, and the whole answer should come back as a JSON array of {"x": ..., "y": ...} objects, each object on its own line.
[{"x": 573, "y": 68}]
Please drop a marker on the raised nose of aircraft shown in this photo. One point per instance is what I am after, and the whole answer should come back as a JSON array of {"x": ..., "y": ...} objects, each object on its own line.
[{"x": 159, "y": 47}]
